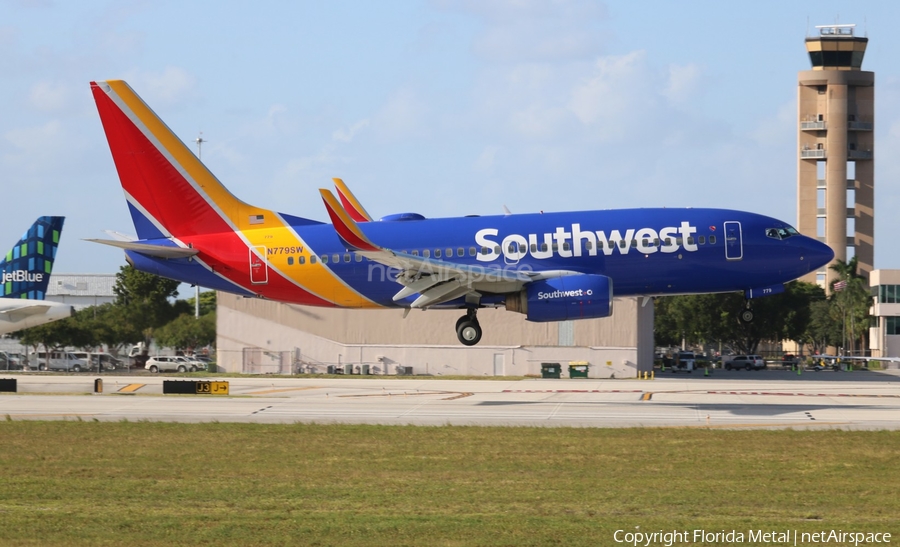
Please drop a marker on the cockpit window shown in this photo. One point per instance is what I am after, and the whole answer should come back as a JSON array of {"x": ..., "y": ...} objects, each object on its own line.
[{"x": 781, "y": 233}]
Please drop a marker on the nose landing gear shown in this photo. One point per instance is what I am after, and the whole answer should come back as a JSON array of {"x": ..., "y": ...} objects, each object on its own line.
[{"x": 467, "y": 328}]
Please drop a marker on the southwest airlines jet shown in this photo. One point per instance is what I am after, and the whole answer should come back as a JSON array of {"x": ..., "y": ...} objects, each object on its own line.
[
  {"x": 26, "y": 274},
  {"x": 550, "y": 267}
]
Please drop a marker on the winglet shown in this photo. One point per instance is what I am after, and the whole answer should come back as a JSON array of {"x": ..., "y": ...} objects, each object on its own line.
[
  {"x": 345, "y": 227},
  {"x": 352, "y": 205}
]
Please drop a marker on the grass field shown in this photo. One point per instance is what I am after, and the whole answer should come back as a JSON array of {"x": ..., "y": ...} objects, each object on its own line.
[{"x": 138, "y": 484}]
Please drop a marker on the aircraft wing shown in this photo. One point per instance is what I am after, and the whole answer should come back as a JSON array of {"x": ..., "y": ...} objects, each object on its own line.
[
  {"x": 14, "y": 312},
  {"x": 436, "y": 281}
]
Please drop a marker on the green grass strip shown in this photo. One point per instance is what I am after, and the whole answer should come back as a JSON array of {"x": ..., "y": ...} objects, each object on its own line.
[{"x": 148, "y": 484}]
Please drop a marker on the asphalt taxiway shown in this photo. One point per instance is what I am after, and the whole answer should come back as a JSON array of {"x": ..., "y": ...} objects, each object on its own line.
[{"x": 766, "y": 399}]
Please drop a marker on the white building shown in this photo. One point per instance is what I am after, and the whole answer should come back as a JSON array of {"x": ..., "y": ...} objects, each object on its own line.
[
  {"x": 884, "y": 336},
  {"x": 82, "y": 290}
]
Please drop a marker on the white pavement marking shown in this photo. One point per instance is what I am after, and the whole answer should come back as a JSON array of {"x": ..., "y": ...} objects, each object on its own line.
[{"x": 858, "y": 401}]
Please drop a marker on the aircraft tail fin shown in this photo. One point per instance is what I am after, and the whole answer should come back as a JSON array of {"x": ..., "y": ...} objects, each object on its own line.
[
  {"x": 26, "y": 267},
  {"x": 170, "y": 192}
]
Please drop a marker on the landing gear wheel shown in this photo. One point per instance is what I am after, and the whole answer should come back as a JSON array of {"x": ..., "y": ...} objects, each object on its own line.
[
  {"x": 467, "y": 328},
  {"x": 460, "y": 321},
  {"x": 469, "y": 332},
  {"x": 746, "y": 315}
]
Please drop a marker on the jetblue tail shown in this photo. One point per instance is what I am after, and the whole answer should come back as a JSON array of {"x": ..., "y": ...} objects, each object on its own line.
[{"x": 26, "y": 267}]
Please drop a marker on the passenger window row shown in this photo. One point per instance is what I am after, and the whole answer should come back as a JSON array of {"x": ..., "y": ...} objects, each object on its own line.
[
  {"x": 522, "y": 248},
  {"x": 356, "y": 257}
]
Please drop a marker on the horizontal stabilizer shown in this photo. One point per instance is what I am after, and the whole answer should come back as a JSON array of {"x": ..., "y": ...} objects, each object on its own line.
[{"x": 149, "y": 249}]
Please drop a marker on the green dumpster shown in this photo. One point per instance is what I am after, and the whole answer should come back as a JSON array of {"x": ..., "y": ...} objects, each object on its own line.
[
  {"x": 578, "y": 369},
  {"x": 550, "y": 370}
]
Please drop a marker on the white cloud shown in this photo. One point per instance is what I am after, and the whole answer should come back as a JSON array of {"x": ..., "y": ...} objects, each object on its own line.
[
  {"x": 34, "y": 138},
  {"x": 539, "y": 122},
  {"x": 779, "y": 130},
  {"x": 171, "y": 86},
  {"x": 404, "y": 115},
  {"x": 531, "y": 30},
  {"x": 49, "y": 96},
  {"x": 40, "y": 149},
  {"x": 683, "y": 83},
  {"x": 346, "y": 135},
  {"x": 486, "y": 159},
  {"x": 618, "y": 97}
]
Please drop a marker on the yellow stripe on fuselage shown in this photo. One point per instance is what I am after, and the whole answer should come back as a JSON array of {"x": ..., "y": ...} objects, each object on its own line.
[{"x": 271, "y": 231}]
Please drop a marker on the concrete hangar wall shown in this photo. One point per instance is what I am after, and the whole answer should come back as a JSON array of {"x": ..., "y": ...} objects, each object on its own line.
[{"x": 260, "y": 336}]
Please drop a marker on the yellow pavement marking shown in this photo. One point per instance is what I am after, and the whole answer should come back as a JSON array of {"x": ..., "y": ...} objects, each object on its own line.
[{"x": 131, "y": 388}]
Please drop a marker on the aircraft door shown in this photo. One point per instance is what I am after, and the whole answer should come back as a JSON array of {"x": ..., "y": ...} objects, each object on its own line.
[
  {"x": 259, "y": 266},
  {"x": 734, "y": 247}
]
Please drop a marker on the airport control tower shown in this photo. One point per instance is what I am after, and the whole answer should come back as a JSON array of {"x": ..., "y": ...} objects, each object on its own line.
[{"x": 835, "y": 174}]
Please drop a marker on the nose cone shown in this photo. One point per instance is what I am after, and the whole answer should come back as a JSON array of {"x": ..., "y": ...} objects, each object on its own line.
[{"x": 816, "y": 254}]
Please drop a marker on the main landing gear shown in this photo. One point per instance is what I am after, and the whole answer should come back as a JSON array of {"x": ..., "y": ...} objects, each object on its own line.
[
  {"x": 467, "y": 328},
  {"x": 746, "y": 315}
]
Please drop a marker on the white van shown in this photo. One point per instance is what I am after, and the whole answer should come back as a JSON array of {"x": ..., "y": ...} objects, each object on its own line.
[{"x": 62, "y": 360}]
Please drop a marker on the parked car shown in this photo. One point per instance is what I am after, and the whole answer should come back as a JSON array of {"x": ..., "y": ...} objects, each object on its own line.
[
  {"x": 61, "y": 360},
  {"x": 12, "y": 361},
  {"x": 748, "y": 362},
  {"x": 169, "y": 363},
  {"x": 685, "y": 361},
  {"x": 788, "y": 360},
  {"x": 197, "y": 364},
  {"x": 99, "y": 361}
]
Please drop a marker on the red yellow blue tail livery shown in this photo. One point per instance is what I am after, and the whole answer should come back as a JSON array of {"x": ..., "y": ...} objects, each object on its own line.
[{"x": 550, "y": 267}]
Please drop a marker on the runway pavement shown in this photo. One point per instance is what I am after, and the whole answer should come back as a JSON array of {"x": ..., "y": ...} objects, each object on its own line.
[{"x": 766, "y": 399}]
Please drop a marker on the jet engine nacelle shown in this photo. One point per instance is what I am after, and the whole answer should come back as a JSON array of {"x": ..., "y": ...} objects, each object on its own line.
[{"x": 564, "y": 298}]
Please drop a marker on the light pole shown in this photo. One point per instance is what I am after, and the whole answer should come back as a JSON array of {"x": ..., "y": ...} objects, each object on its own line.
[{"x": 199, "y": 140}]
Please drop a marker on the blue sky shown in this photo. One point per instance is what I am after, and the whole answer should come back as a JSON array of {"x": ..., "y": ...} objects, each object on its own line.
[{"x": 444, "y": 107}]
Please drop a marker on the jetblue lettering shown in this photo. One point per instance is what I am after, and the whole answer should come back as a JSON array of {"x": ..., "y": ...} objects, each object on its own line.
[
  {"x": 575, "y": 242},
  {"x": 22, "y": 275}
]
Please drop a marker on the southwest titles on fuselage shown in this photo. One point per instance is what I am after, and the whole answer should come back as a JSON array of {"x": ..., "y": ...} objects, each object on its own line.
[{"x": 575, "y": 241}]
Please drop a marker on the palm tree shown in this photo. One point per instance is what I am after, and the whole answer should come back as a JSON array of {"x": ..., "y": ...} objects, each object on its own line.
[{"x": 850, "y": 301}]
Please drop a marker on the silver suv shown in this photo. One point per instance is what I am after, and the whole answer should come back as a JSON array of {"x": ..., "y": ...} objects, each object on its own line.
[
  {"x": 747, "y": 362},
  {"x": 169, "y": 363}
]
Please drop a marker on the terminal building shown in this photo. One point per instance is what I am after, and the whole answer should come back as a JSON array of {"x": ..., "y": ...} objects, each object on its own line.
[{"x": 260, "y": 336}]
